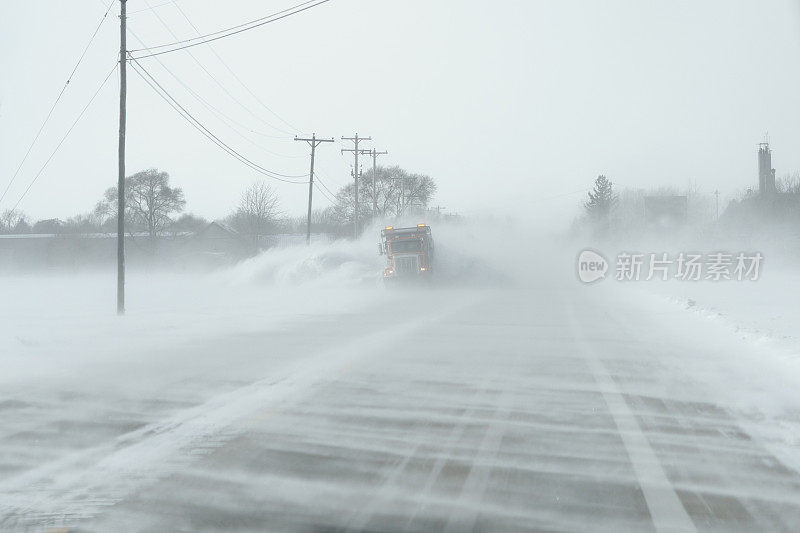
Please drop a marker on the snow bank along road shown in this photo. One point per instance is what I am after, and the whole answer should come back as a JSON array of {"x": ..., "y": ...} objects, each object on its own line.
[{"x": 546, "y": 408}]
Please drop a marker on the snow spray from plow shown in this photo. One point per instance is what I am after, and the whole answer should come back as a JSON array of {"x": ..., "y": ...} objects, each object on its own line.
[{"x": 466, "y": 255}]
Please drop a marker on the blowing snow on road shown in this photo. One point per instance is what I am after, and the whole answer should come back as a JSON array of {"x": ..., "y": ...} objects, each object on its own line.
[{"x": 294, "y": 392}]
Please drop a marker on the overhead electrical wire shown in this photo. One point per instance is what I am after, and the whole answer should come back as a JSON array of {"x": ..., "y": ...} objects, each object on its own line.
[
  {"x": 242, "y": 25},
  {"x": 324, "y": 194},
  {"x": 225, "y": 64},
  {"x": 323, "y": 184},
  {"x": 152, "y": 8},
  {"x": 196, "y": 41},
  {"x": 326, "y": 175},
  {"x": 64, "y": 138},
  {"x": 166, "y": 96},
  {"x": 58, "y": 99},
  {"x": 225, "y": 118},
  {"x": 214, "y": 78}
]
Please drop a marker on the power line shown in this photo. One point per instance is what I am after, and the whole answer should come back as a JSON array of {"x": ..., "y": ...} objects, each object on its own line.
[
  {"x": 222, "y": 116},
  {"x": 323, "y": 193},
  {"x": 326, "y": 175},
  {"x": 225, "y": 64},
  {"x": 331, "y": 197},
  {"x": 228, "y": 32},
  {"x": 202, "y": 36},
  {"x": 164, "y": 94},
  {"x": 213, "y": 78},
  {"x": 64, "y": 138},
  {"x": 323, "y": 184},
  {"x": 159, "y": 89},
  {"x": 152, "y": 8},
  {"x": 243, "y": 25},
  {"x": 58, "y": 99}
]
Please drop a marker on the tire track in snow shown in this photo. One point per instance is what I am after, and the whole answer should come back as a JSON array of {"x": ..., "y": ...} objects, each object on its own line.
[
  {"x": 388, "y": 490},
  {"x": 78, "y": 485},
  {"x": 465, "y": 515}
]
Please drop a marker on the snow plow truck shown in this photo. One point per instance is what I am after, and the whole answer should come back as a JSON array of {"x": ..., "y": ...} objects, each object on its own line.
[{"x": 409, "y": 252}]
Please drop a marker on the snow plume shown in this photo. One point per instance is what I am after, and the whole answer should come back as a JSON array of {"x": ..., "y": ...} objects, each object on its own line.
[
  {"x": 320, "y": 264},
  {"x": 491, "y": 253},
  {"x": 468, "y": 253}
]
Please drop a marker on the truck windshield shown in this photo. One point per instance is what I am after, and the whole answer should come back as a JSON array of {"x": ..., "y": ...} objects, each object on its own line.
[{"x": 406, "y": 245}]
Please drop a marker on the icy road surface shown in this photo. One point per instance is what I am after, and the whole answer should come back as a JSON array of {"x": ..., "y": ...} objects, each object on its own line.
[{"x": 553, "y": 406}]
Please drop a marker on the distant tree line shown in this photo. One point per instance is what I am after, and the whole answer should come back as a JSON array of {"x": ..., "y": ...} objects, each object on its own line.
[
  {"x": 153, "y": 207},
  {"x": 608, "y": 212},
  {"x": 775, "y": 213}
]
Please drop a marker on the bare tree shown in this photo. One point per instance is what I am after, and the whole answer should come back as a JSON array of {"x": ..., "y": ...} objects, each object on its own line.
[
  {"x": 789, "y": 183},
  {"x": 417, "y": 191},
  {"x": 343, "y": 211},
  {"x": 13, "y": 221},
  {"x": 382, "y": 189},
  {"x": 392, "y": 190},
  {"x": 152, "y": 200},
  {"x": 257, "y": 211},
  {"x": 149, "y": 201}
]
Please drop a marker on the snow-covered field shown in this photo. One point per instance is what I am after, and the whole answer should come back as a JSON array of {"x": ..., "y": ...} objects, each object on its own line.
[{"x": 507, "y": 395}]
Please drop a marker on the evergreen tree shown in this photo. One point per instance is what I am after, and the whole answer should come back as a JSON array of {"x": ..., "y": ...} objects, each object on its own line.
[{"x": 601, "y": 200}]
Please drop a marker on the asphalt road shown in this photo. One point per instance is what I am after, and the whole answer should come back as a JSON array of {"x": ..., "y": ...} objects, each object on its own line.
[{"x": 554, "y": 408}]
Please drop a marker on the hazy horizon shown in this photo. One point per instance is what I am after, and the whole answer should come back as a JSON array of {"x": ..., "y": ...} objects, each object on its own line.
[{"x": 512, "y": 107}]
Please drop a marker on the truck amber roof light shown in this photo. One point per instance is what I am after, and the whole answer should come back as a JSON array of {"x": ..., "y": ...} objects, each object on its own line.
[
  {"x": 420, "y": 225},
  {"x": 389, "y": 227}
]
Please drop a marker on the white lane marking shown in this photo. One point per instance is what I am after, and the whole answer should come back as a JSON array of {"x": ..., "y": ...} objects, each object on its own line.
[{"x": 666, "y": 509}]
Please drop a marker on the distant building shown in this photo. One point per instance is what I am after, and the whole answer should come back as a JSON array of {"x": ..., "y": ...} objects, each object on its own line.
[
  {"x": 217, "y": 244},
  {"x": 665, "y": 211},
  {"x": 766, "y": 174}
]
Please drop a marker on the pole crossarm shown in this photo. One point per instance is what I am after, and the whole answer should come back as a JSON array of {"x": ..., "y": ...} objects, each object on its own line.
[{"x": 314, "y": 140}]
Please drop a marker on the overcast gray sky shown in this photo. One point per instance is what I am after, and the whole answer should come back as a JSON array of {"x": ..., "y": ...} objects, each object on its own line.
[{"x": 507, "y": 104}]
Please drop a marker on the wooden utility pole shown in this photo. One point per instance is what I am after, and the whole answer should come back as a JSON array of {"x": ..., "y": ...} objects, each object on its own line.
[
  {"x": 355, "y": 151},
  {"x": 123, "y": 81},
  {"x": 313, "y": 142},
  {"x": 374, "y": 153}
]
